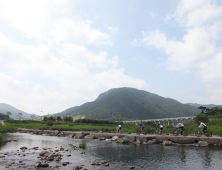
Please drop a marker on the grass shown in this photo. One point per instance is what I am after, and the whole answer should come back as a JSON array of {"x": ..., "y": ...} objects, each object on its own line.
[
  {"x": 82, "y": 145},
  {"x": 2, "y": 138},
  {"x": 214, "y": 125}
]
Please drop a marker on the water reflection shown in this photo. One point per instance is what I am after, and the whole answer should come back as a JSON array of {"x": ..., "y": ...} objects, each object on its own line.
[{"x": 122, "y": 156}]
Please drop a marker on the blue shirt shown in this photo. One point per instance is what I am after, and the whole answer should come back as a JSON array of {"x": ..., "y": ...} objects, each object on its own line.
[{"x": 142, "y": 125}]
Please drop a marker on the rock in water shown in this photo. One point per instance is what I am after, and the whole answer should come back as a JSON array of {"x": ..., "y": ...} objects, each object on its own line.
[{"x": 202, "y": 143}]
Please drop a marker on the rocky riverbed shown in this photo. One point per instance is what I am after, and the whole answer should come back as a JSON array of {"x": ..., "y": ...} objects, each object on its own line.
[{"x": 25, "y": 151}]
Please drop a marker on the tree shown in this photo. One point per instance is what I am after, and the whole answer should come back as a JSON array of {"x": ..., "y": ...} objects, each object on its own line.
[
  {"x": 202, "y": 108},
  {"x": 33, "y": 117},
  {"x": 67, "y": 119},
  {"x": 20, "y": 115},
  {"x": 8, "y": 113},
  {"x": 59, "y": 118},
  {"x": 201, "y": 117},
  {"x": 45, "y": 118},
  {"x": 51, "y": 118}
]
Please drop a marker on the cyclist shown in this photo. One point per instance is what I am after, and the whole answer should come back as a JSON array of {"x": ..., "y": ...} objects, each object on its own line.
[
  {"x": 160, "y": 127},
  {"x": 119, "y": 127},
  {"x": 142, "y": 127},
  {"x": 203, "y": 125},
  {"x": 181, "y": 127}
]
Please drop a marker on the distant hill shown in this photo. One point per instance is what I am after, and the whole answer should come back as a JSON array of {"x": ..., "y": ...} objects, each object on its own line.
[
  {"x": 204, "y": 105},
  {"x": 130, "y": 104},
  {"x": 3, "y": 117},
  {"x": 8, "y": 108}
]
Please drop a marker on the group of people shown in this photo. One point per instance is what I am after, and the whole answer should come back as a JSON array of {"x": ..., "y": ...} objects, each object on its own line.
[{"x": 179, "y": 125}]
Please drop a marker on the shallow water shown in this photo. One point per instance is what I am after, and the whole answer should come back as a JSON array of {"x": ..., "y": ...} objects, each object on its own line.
[{"x": 118, "y": 156}]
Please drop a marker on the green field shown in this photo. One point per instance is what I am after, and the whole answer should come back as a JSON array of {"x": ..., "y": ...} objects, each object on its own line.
[{"x": 215, "y": 126}]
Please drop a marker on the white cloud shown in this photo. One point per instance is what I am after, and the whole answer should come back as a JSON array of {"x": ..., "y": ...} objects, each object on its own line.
[
  {"x": 155, "y": 38},
  {"x": 210, "y": 70},
  {"x": 60, "y": 70},
  {"x": 197, "y": 13},
  {"x": 116, "y": 78},
  {"x": 198, "y": 46},
  {"x": 199, "y": 51},
  {"x": 48, "y": 21},
  {"x": 167, "y": 18},
  {"x": 152, "y": 14},
  {"x": 113, "y": 29},
  {"x": 134, "y": 42},
  {"x": 82, "y": 57}
]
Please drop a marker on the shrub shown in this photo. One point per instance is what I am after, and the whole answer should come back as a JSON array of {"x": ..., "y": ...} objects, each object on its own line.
[
  {"x": 82, "y": 145},
  {"x": 201, "y": 117},
  {"x": 49, "y": 123},
  {"x": 71, "y": 124},
  {"x": 2, "y": 138}
]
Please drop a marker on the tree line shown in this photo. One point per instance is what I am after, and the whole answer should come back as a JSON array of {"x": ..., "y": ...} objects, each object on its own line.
[{"x": 210, "y": 112}]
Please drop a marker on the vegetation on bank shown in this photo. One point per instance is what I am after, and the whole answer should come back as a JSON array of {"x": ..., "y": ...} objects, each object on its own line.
[
  {"x": 2, "y": 138},
  {"x": 211, "y": 117}
]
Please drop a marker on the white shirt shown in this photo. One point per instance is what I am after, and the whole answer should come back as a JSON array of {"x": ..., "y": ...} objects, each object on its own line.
[
  {"x": 161, "y": 126},
  {"x": 202, "y": 125},
  {"x": 180, "y": 125},
  {"x": 119, "y": 126}
]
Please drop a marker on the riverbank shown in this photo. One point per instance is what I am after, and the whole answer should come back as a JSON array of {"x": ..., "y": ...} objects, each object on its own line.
[
  {"x": 125, "y": 138},
  {"x": 215, "y": 126}
]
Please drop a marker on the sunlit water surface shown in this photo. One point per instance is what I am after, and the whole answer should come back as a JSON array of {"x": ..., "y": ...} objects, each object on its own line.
[{"x": 118, "y": 156}]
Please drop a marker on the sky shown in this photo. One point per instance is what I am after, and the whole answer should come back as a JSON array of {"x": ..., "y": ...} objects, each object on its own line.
[{"x": 57, "y": 54}]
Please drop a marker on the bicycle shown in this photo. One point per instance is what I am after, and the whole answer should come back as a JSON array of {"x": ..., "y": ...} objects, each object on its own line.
[
  {"x": 140, "y": 132},
  {"x": 177, "y": 131},
  {"x": 118, "y": 131},
  {"x": 158, "y": 132},
  {"x": 199, "y": 133}
]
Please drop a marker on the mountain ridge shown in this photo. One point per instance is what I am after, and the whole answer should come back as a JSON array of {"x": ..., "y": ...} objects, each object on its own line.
[
  {"x": 4, "y": 108},
  {"x": 130, "y": 104}
]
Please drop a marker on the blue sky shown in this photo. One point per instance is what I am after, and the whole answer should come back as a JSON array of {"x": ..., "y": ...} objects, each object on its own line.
[{"x": 58, "y": 54}]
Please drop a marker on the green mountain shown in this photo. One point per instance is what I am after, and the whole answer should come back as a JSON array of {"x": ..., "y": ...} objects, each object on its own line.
[
  {"x": 130, "y": 104},
  {"x": 210, "y": 106},
  {"x": 4, "y": 108}
]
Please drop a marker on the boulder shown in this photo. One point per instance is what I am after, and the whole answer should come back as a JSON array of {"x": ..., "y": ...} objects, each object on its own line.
[
  {"x": 138, "y": 141},
  {"x": 80, "y": 135},
  {"x": 156, "y": 141},
  {"x": 167, "y": 143},
  {"x": 150, "y": 142},
  {"x": 70, "y": 135},
  {"x": 44, "y": 153},
  {"x": 131, "y": 139},
  {"x": 24, "y": 147},
  {"x": 122, "y": 141},
  {"x": 78, "y": 167},
  {"x": 41, "y": 165},
  {"x": 202, "y": 143},
  {"x": 88, "y": 137},
  {"x": 114, "y": 138},
  {"x": 101, "y": 138}
]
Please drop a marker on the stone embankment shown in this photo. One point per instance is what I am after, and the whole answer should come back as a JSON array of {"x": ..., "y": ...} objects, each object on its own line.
[{"x": 130, "y": 138}]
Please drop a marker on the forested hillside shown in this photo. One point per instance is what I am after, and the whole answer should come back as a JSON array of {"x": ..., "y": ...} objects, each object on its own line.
[
  {"x": 4, "y": 108},
  {"x": 3, "y": 116},
  {"x": 130, "y": 104}
]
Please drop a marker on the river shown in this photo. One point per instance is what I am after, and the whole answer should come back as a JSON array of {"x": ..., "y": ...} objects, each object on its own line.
[{"x": 119, "y": 156}]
